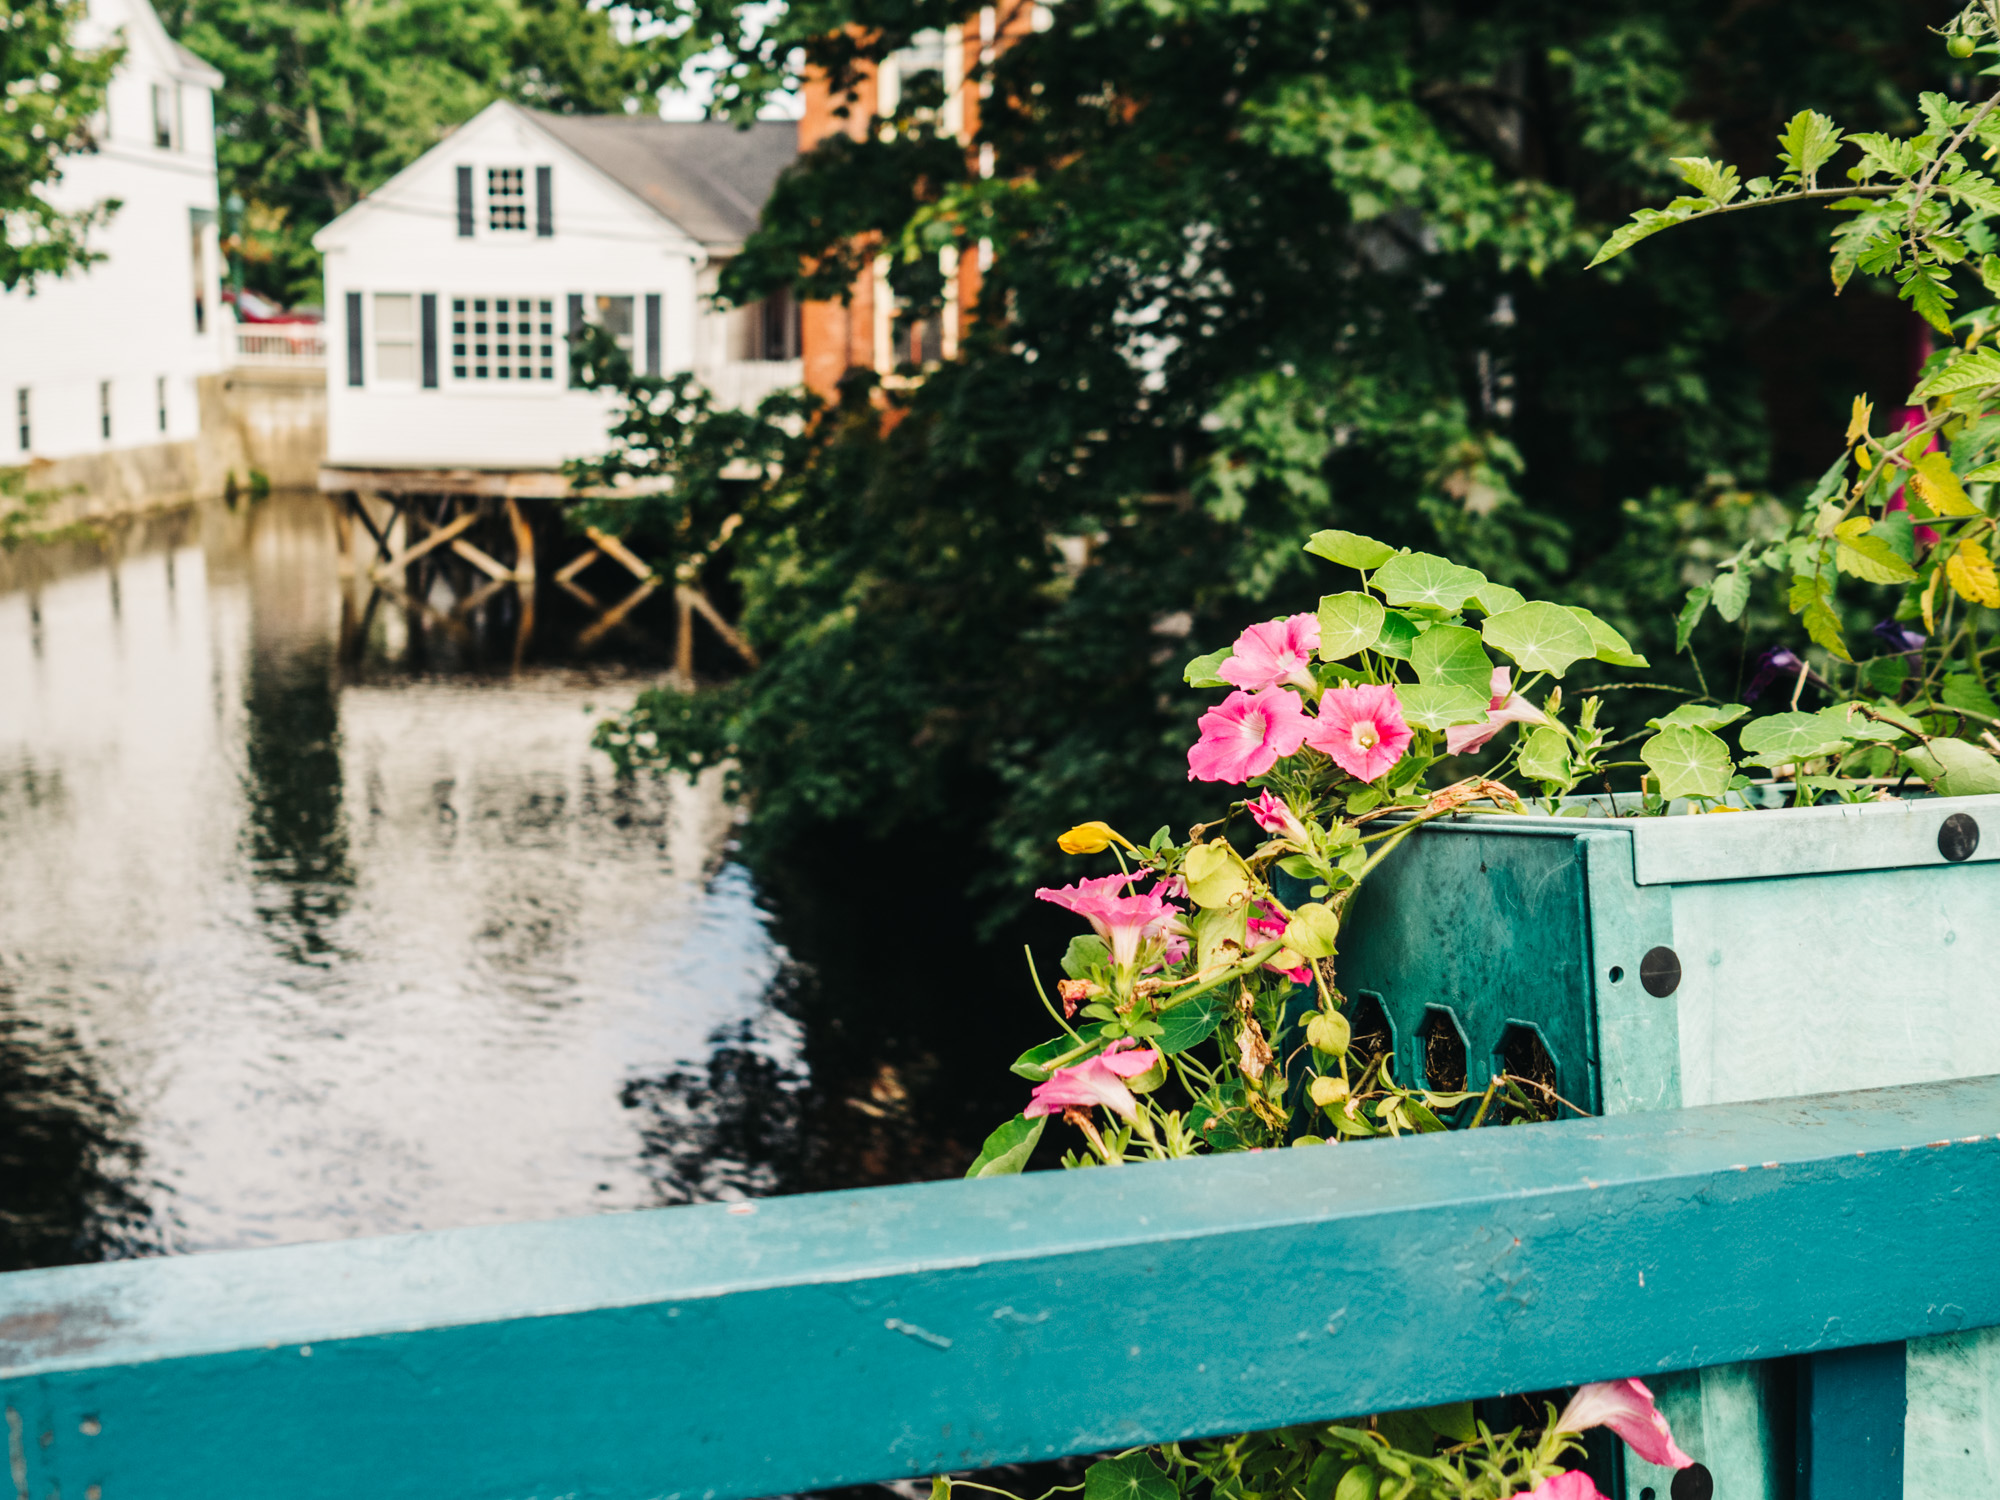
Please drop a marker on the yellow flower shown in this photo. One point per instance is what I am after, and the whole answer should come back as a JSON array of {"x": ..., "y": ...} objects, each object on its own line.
[{"x": 1091, "y": 838}]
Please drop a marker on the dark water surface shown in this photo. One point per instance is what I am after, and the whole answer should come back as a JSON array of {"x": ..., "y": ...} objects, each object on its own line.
[{"x": 298, "y": 943}]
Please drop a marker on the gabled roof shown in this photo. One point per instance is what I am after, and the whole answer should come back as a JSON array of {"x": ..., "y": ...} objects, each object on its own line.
[{"x": 708, "y": 178}]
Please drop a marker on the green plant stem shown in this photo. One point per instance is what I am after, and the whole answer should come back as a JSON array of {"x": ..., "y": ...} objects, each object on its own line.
[{"x": 1029, "y": 950}]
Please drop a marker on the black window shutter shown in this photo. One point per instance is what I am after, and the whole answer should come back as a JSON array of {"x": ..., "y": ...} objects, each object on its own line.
[
  {"x": 465, "y": 203},
  {"x": 430, "y": 336},
  {"x": 652, "y": 333},
  {"x": 354, "y": 338},
  {"x": 545, "y": 201},
  {"x": 575, "y": 333}
]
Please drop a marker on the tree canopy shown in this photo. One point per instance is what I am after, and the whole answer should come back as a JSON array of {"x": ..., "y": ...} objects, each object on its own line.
[
  {"x": 1257, "y": 270},
  {"x": 50, "y": 92},
  {"x": 325, "y": 101}
]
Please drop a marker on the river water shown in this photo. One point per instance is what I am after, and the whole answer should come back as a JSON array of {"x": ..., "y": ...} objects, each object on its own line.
[{"x": 301, "y": 943}]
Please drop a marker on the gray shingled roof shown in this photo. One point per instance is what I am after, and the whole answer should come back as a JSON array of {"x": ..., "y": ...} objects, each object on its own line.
[{"x": 708, "y": 177}]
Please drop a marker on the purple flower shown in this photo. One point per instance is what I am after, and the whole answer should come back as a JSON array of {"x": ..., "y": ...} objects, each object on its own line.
[
  {"x": 1778, "y": 662},
  {"x": 1899, "y": 638}
]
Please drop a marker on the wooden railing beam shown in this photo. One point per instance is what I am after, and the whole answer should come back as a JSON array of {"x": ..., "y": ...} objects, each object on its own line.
[{"x": 753, "y": 1349}]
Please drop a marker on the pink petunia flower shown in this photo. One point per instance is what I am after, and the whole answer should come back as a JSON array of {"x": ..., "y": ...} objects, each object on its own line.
[
  {"x": 1626, "y": 1407},
  {"x": 1507, "y": 707},
  {"x": 1274, "y": 817},
  {"x": 1247, "y": 734},
  {"x": 1573, "y": 1484},
  {"x": 1362, "y": 728},
  {"x": 1095, "y": 1081},
  {"x": 1262, "y": 930},
  {"x": 1122, "y": 919},
  {"x": 1278, "y": 651}
]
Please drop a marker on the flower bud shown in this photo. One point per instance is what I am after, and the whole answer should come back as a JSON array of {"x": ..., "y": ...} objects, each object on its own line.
[{"x": 1091, "y": 838}]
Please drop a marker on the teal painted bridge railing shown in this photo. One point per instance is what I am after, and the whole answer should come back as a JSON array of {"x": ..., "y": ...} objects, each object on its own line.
[{"x": 748, "y": 1350}]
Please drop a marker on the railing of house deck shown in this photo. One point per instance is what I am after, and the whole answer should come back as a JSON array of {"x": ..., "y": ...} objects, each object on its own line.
[
  {"x": 298, "y": 345},
  {"x": 743, "y": 383},
  {"x": 753, "y": 1349}
]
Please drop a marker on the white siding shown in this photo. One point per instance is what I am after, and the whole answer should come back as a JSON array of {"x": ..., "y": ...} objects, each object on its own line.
[
  {"x": 405, "y": 240},
  {"x": 129, "y": 320}
]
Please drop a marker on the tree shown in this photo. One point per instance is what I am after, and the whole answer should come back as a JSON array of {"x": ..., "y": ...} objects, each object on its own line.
[
  {"x": 326, "y": 101},
  {"x": 50, "y": 91},
  {"x": 1258, "y": 270}
]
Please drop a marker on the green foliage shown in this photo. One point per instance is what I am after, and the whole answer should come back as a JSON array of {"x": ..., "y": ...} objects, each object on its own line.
[
  {"x": 49, "y": 91},
  {"x": 323, "y": 103}
]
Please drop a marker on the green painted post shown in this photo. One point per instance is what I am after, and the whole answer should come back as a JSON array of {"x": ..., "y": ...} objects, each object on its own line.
[{"x": 1697, "y": 960}]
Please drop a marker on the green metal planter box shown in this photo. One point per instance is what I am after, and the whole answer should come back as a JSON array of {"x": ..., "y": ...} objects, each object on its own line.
[{"x": 1648, "y": 964}]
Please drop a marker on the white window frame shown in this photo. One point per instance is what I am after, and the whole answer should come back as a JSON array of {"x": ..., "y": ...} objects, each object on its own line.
[{"x": 460, "y": 316}]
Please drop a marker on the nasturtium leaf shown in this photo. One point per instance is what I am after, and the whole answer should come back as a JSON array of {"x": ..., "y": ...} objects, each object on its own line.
[
  {"x": 1792, "y": 736},
  {"x": 1848, "y": 719},
  {"x": 1544, "y": 755},
  {"x": 1133, "y": 1477},
  {"x": 1214, "y": 873},
  {"x": 1329, "y": 1031},
  {"x": 1452, "y": 656},
  {"x": 1348, "y": 623},
  {"x": 1423, "y": 578},
  {"x": 1689, "y": 762},
  {"x": 1965, "y": 690},
  {"x": 1007, "y": 1150},
  {"x": 1200, "y": 672},
  {"x": 1610, "y": 645},
  {"x": 1399, "y": 632},
  {"x": 1085, "y": 952},
  {"x": 1312, "y": 930},
  {"x": 1192, "y": 1022},
  {"x": 1731, "y": 591},
  {"x": 1541, "y": 637},
  {"x": 1885, "y": 675},
  {"x": 1702, "y": 715},
  {"x": 1349, "y": 549},
  {"x": 1493, "y": 597},
  {"x": 1953, "y": 768},
  {"x": 1442, "y": 704}
]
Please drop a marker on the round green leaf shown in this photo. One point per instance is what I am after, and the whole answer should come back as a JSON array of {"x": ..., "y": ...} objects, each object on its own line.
[
  {"x": 1439, "y": 705},
  {"x": 1545, "y": 755},
  {"x": 1214, "y": 873},
  {"x": 1689, "y": 762},
  {"x": 1192, "y": 1022},
  {"x": 1423, "y": 578},
  {"x": 1200, "y": 673},
  {"x": 1787, "y": 737},
  {"x": 1134, "y": 1477},
  {"x": 1492, "y": 597},
  {"x": 1348, "y": 623},
  {"x": 1452, "y": 656},
  {"x": 1541, "y": 637},
  {"x": 1399, "y": 633},
  {"x": 1349, "y": 550},
  {"x": 1702, "y": 715}
]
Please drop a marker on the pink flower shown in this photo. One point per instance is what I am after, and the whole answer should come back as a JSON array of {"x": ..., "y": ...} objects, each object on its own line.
[
  {"x": 1362, "y": 728},
  {"x": 1573, "y": 1484},
  {"x": 1123, "y": 920},
  {"x": 1265, "y": 928},
  {"x": 1507, "y": 707},
  {"x": 1274, "y": 817},
  {"x": 1246, "y": 735},
  {"x": 1275, "y": 652},
  {"x": 1095, "y": 1081},
  {"x": 1626, "y": 1407}
]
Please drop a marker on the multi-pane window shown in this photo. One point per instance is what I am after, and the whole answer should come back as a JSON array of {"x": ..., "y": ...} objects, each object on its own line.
[
  {"x": 506, "y": 198},
  {"x": 395, "y": 336},
  {"x": 503, "y": 338}
]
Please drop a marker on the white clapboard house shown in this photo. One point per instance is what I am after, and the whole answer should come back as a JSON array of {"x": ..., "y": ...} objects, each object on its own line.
[
  {"x": 452, "y": 288},
  {"x": 109, "y": 359}
]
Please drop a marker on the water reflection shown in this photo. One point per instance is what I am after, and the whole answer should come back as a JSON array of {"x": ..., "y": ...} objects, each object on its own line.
[{"x": 295, "y": 948}]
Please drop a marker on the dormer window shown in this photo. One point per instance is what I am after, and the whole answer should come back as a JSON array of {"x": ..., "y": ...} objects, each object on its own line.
[{"x": 506, "y": 199}]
